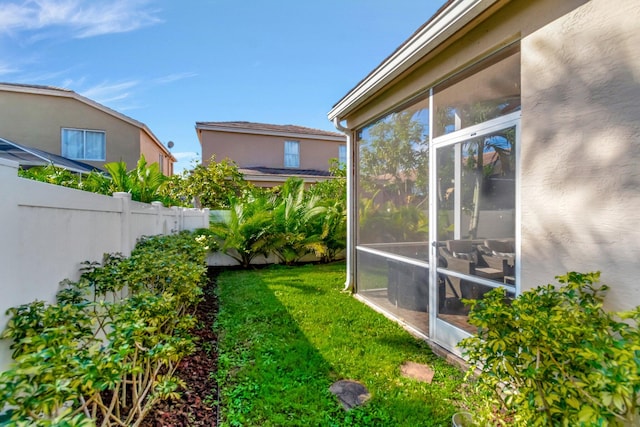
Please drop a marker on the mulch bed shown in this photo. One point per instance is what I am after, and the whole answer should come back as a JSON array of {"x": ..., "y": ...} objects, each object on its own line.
[{"x": 196, "y": 406}]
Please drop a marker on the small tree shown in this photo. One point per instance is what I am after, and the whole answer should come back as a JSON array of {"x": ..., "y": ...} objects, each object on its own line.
[{"x": 215, "y": 185}]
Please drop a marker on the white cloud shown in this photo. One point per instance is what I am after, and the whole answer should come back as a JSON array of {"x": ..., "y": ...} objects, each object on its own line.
[
  {"x": 45, "y": 77},
  {"x": 7, "y": 69},
  {"x": 84, "y": 18},
  {"x": 170, "y": 78},
  {"x": 186, "y": 155},
  {"x": 109, "y": 92}
]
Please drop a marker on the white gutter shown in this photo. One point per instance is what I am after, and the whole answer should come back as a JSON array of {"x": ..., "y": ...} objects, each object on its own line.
[
  {"x": 351, "y": 241},
  {"x": 442, "y": 26}
]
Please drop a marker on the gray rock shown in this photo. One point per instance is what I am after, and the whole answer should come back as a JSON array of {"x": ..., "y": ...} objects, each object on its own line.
[{"x": 350, "y": 393}]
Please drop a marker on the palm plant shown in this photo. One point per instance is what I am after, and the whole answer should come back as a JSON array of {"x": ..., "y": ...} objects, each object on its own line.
[
  {"x": 146, "y": 180},
  {"x": 143, "y": 182},
  {"x": 295, "y": 229},
  {"x": 334, "y": 229},
  {"x": 246, "y": 233}
]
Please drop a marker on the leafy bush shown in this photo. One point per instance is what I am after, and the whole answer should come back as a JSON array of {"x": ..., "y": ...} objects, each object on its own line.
[
  {"x": 213, "y": 186},
  {"x": 556, "y": 357},
  {"x": 97, "y": 357},
  {"x": 145, "y": 183}
]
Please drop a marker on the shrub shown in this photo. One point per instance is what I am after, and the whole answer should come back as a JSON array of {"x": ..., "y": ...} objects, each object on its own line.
[
  {"x": 554, "y": 356},
  {"x": 96, "y": 357},
  {"x": 212, "y": 186}
]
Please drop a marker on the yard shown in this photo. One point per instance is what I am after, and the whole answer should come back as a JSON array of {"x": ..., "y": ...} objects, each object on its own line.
[{"x": 287, "y": 333}]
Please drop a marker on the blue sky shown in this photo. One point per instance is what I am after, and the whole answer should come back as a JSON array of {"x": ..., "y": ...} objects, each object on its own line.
[{"x": 170, "y": 63}]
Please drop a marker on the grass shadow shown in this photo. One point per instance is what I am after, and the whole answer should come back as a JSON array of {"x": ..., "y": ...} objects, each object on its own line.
[{"x": 286, "y": 334}]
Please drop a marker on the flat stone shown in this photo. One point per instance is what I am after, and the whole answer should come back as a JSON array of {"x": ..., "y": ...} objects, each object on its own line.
[
  {"x": 350, "y": 393},
  {"x": 417, "y": 371}
]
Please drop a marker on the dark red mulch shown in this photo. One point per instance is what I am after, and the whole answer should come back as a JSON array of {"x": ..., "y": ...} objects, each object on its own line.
[{"x": 197, "y": 404}]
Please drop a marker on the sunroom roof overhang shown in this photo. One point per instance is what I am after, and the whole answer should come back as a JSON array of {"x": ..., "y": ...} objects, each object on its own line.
[{"x": 446, "y": 22}]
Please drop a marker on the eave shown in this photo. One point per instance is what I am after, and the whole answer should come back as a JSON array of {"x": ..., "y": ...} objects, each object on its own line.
[{"x": 444, "y": 24}]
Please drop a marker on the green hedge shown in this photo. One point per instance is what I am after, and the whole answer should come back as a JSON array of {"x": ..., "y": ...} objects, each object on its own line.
[{"x": 107, "y": 349}]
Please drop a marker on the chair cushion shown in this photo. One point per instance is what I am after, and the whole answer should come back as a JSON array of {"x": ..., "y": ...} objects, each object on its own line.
[
  {"x": 469, "y": 256},
  {"x": 500, "y": 246}
]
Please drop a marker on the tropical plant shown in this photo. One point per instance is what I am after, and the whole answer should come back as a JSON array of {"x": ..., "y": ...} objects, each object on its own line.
[
  {"x": 246, "y": 232},
  {"x": 295, "y": 231},
  {"x": 52, "y": 174},
  {"x": 554, "y": 356},
  {"x": 332, "y": 195},
  {"x": 144, "y": 182}
]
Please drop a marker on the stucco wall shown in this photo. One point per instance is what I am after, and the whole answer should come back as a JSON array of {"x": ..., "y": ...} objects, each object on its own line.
[
  {"x": 153, "y": 154},
  {"x": 580, "y": 159},
  {"x": 36, "y": 120},
  {"x": 266, "y": 150}
]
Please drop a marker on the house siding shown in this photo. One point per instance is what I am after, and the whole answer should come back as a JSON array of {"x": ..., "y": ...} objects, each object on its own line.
[
  {"x": 580, "y": 157},
  {"x": 152, "y": 154},
  {"x": 249, "y": 150}
]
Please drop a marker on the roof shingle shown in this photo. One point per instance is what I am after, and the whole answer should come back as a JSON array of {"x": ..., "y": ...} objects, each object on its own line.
[{"x": 243, "y": 125}]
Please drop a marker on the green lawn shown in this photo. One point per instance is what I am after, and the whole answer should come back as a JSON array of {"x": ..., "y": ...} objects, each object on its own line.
[{"x": 287, "y": 333}]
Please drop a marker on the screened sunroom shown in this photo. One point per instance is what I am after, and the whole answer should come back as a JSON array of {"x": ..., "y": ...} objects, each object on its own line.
[
  {"x": 441, "y": 168},
  {"x": 449, "y": 194}
]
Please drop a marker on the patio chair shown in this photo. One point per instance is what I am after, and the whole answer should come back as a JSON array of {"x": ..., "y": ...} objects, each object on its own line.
[
  {"x": 463, "y": 256},
  {"x": 499, "y": 254}
]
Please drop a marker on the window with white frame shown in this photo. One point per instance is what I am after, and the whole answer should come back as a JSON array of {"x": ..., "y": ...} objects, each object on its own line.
[
  {"x": 342, "y": 154},
  {"x": 291, "y": 154},
  {"x": 82, "y": 144}
]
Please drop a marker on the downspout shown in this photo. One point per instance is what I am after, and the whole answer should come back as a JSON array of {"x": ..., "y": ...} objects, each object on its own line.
[{"x": 350, "y": 280}]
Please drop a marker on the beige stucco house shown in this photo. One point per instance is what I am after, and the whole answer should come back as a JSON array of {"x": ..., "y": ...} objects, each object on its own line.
[
  {"x": 268, "y": 154},
  {"x": 62, "y": 122},
  {"x": 505, "y": 136}
]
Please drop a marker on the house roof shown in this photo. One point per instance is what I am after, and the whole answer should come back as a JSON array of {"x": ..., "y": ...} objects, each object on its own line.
[
  {"x": 68, "y": 93},
  {"x": 261, "y": 173},
  {"x": 284, "y": 171},
  {"x": 269, "y": 129},
  {"x": 28, "y": 157},
  {"x": 452, "y": 16}
]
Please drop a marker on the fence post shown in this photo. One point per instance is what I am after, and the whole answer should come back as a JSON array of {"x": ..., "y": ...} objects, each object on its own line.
[
  {"x": 125, "y": 222},
  {"x": 205, "y": 218},
  {"x": 177, "y": 220},
  {"x": 161, "y": 226}
]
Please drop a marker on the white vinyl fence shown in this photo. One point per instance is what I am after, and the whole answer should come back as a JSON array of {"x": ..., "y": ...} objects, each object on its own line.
[{"x": 47, "y": 231}]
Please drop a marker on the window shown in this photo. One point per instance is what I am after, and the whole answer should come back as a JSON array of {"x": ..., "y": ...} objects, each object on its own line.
[
  {"x": 291, "y": 154},
  {"x": 80, "y": 144},
  {"x": 342, "y": 154}
]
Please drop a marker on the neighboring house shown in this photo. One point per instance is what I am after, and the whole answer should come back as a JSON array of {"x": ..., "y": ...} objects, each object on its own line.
[
  {"x": 268, "y": 154},
  {"x": 62, "y": 122},
  {"x": 509, "y": 134}
]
